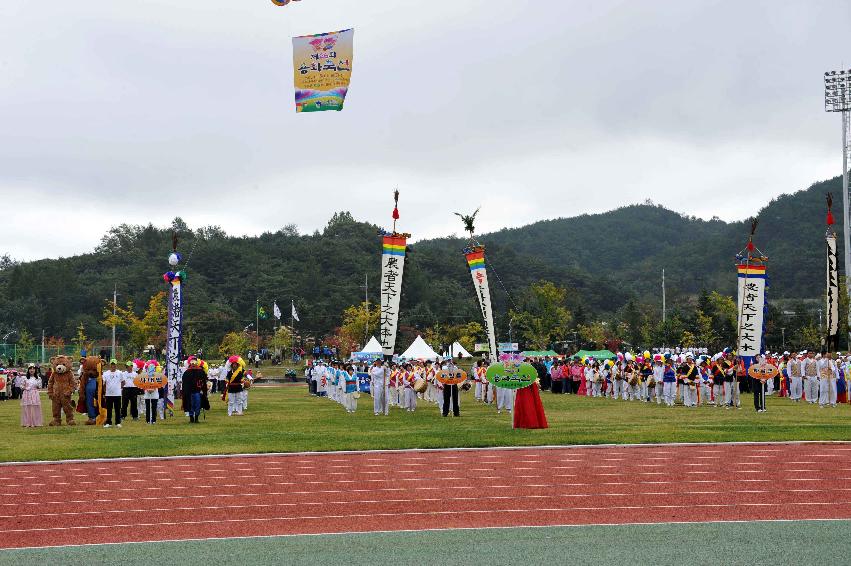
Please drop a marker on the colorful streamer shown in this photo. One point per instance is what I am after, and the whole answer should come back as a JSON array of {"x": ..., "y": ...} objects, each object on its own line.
[{"x": 476, "y": 262}]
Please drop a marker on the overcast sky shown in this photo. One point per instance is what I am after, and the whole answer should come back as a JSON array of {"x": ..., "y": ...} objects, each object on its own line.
[{"x": 137, "y": 112}]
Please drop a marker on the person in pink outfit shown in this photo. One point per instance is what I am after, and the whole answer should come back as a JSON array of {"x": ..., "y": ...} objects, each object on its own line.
[{"x": 30, "y": 400}]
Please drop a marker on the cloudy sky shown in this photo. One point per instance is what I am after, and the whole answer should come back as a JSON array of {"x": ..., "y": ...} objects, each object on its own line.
[{"x": 137, "y": 112}]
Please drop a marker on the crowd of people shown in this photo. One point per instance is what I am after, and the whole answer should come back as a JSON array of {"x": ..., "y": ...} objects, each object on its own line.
[
  {"x": 118, "y": 396},
  {"x": 695, "y": 380},
  {"x": 404, "y": 385},
  {"x": 666, "y": 378}
]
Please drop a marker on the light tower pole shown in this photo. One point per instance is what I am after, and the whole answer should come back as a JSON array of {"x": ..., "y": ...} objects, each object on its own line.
[{"x": 837, "y": 98}]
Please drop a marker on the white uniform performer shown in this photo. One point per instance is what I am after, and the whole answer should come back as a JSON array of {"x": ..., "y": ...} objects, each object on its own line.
[
  {"x": 810, "y": 370},
  {"x": 658, "y": 373},
  {"x": 379, "y": 376},
  {"x": 828, "y": 374},
  {"x": 504, "y": 397},
  {"x": 795, "y": 371}
]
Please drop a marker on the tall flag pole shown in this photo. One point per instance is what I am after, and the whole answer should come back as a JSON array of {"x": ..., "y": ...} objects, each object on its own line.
[
  {"x": 832, "y": 281},
  {"x": 394, "y": 247},
  {"x": 750, "y": 264},
  {"x": 174, "y": 330},
  {"x": 475, "y": 255}
]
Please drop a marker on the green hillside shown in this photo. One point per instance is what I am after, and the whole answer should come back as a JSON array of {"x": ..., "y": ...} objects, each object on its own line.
[{"x": 605, "y": 261}]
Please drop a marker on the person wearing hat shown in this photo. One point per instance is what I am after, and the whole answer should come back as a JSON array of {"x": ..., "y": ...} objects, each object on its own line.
[
  {"x": 112, "y": 384},
  {"x": 810, "y": 371},
  {"x": 669, "y": 381},
  {"x": 194, "y": 388}
]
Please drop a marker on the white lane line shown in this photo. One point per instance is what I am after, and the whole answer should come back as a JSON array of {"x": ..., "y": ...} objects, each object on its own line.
[
  {"x": 425, "y": 514},
  {"x": 380, "y": 501}
]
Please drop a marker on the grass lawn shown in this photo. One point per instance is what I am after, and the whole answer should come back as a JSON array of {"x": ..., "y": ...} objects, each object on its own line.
[{"x": 287, "y": 419}]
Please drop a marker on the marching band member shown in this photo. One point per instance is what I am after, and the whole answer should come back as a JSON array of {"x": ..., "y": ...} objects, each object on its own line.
[
  {"x": 233, "y": 385},
  {"x": 646, "y": 376},
  {"x": 596, "y": 379},
  {"x": 410, "y": 396},
  {"x": 619, "y": 381},
  {"x": 705, "y": 392},
  {"x": 379, "y": 377},
  {"x": 669, "y": 381},
  {"x": 809, "y": 368},
  {"x": 828, "y": 374},
  {"x": 731, "y": 387},
  {"x": 588, "y": 374},
  {"x": 477, "y": 380},
  {"x": 689, "y": 375},
  {"x": 438, "y": 386},
  {"x": 658, "y": 374},
  {"x": 795, "y": 372}
]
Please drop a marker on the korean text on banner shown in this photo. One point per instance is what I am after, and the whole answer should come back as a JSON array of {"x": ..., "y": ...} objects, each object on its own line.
[
  {"x": 392, "y": 267},
  {"x": 832, "y": 287},
  {"x": 175, "y": 323},
  {"x": 476, "y": 262},
  {"x": 322, "y": 68},
  {"x": 751, "y": 305}
]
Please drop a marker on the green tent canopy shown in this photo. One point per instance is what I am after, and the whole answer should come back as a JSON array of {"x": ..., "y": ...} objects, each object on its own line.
[
  {"x": 539, "y": 353},
  {"x": 596, "y": 354}
]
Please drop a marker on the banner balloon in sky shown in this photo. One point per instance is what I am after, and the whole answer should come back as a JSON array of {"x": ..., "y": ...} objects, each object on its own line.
[{"x": 322, "y": 68}]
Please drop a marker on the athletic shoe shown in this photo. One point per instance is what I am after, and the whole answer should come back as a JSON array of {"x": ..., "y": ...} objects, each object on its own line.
[{"x": 118, "y": 425}]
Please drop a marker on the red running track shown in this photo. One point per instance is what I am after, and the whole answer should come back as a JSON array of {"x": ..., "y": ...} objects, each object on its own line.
[{"x": 168, "y": 499}]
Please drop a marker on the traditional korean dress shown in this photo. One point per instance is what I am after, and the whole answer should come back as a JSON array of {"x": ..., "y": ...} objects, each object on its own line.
[{"x": 31, "y": 403}]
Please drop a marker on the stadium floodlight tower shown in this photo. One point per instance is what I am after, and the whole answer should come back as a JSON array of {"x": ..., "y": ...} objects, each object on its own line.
[{"x": 837, "y": 98}]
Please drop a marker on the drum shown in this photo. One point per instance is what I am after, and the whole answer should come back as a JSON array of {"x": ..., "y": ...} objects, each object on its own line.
[
  {"x": 466, "y": 386},
  {"x": 246, "y": 384},
  {"x": 420, "y": 385},
  {"x": 633, "y": 380}
]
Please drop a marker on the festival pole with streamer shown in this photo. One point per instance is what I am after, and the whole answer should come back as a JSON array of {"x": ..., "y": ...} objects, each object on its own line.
[
  {"x": 394, "y": 248},
  {"x": 475, "y": 255},
  {"x": 832, "y": 340},
  {"x": 174, "y": 330},
  {"x": 752, "y": 282}
]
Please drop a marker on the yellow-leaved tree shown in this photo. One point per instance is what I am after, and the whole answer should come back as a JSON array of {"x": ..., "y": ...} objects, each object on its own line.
[{"x": 150, "y": 328}]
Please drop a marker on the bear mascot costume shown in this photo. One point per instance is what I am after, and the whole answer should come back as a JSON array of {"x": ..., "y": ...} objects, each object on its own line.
[
  {"x": 60, "y": 386},
  {"x": 91, "y": 401}
]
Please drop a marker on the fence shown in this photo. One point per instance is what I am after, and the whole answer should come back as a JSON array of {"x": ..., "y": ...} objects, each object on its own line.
[{"x": 13, "y": 355}]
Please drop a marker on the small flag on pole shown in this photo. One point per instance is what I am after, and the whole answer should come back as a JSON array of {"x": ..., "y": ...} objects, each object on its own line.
[
  {"x": 276, "y": 311},
  {"x": 262, "y": 313},
  {"x": 295, "y": 313}
]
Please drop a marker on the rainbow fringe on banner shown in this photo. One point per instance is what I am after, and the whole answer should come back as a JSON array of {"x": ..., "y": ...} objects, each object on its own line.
[
  {"x": 476, "y": 260},
  {"x": 393, "y": 245},
  {"x": 752, "y": 271}
]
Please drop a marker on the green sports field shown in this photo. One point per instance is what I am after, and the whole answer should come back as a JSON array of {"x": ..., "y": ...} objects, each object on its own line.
[
  {"x": 287, "y": 419},
  {"x": 793, "y": 543}
]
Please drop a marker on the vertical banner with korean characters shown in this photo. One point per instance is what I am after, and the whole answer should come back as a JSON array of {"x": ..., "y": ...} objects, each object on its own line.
[
  {"x": 832, "y": 287},
  {"x": 392, "y": 267},
  {"x": 751, "y": 308},
  {"x": 476, "y": 262},
  {"x": 322, "y": 68}
]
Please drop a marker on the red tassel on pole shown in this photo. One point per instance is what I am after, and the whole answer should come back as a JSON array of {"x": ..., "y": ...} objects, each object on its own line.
[
  {"x": 395, "y": 213},
  {"x": 829, "y": 218},
  {"x": 750, "y": 246},
  {"x": 829, "y": 209}
]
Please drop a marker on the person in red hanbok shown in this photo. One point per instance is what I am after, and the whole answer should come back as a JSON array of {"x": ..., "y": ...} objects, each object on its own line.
[{"x": 528, "y": 409}]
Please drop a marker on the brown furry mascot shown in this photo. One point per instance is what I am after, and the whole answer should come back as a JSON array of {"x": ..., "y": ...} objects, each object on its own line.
[
  {"x": 92, "y": 370},
  {"x": 60, "y": 386}
]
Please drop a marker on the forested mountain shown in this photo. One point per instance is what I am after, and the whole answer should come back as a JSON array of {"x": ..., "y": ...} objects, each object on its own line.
[{"x": 607, "y": 262}]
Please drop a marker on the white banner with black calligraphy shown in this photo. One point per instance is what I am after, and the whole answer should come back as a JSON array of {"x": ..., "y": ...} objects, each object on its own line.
[
  {"x": 174, "y": 338},
  {"x": 751, "y": 309},
  {"x": 392, "y": 267},
  {"x": 476, "y": 263},
  {"x": 832, "y": 287}
]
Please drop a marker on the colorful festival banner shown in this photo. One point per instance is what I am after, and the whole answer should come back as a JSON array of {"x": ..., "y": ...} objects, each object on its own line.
[
  {"x": 751, "y": 308},
  {"x": 476, "y": 261},
  {"x": 392, "y": 267},
  {"x": 322, "y": 68}
]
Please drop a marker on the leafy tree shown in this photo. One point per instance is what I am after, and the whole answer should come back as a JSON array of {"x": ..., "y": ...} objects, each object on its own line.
[
  {"x": 235, "y": 344},
  {"x": 25, "y": 343},
  {"x": 595, "y": 333},
  {"x": 358, "y": 322},
  {"x": 150, "y": 328},
  {"x": 281, "y": 339},
  {"x": 545, "y": 318}
]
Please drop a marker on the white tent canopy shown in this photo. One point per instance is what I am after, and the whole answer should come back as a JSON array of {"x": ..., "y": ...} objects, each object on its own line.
[
  {"x": 457, "y": 350},
  {"x": 419, "y": 350},
  {"x": 372, "y": 347}
]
